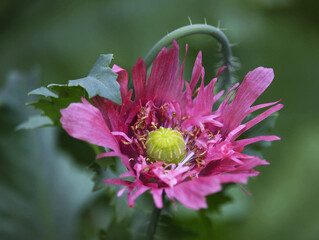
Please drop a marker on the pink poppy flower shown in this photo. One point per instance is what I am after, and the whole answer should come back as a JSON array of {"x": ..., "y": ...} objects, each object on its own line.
[{"x": 169, "y": 139}]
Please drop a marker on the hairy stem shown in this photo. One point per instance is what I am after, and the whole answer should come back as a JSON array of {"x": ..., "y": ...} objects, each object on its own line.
[
  {"x": 198, "y": 29},
  {"x": 151, "y": 230}
]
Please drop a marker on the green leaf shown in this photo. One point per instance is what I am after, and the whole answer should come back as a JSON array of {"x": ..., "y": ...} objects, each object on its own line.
[
  {"x": 42, "y": 91},
  {"x": 58, "y": 97},
  {"x": 217, "y": 200},
  {"x": 99, "y": 175},
  {"x": 170, "y": 229},
  {"x": 117, "y": 230},
  {"x": 101, "y": 80},
  {"x": 35, "y": 121}
]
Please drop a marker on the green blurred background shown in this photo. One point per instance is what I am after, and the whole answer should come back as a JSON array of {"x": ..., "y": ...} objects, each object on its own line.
[{"x": 46, "y": 194}]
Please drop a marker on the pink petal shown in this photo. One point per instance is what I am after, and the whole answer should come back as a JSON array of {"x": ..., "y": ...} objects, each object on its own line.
[
  {"x": 85, "y": 122},
  {"x": 238, "y": 178},
  {"x": 122, "y": 79},
  {"x": 132, "y": 196},
  {"x": 242, "y": 143},
  {"x": 118, "y": 182},
  {"x": 139, "y": 78},
  {"x": 157, "y": 197},
  {"x": 104, "y": 106},
  {"x": 263, "y": 116},
  {"x": 123, "y": 157},
  {"x": 162, "y": 80},
  {"x": 236, "y": 132},
  {"x": 253, "y": 85},
  {"x": 257, "y": 107},
  {"x": 197, "y": 71},
  {"x": 120, "y": 192},
  {"x": 205, "y": 99},
  {"x": 180, "y": 80},
  {"x": 192, "y": 193},
  {"x": 127, "y": 174}
]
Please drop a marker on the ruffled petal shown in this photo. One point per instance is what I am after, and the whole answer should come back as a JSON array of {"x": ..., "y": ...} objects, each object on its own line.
[
  {"x": 131, "y": 196},
  {"x": 123, "y": 157},
  {"x": 192, "y": 193},
  {"x": 240, "y": 144},
  {"x": 157, "y": 197},
  {"x": 122, "y": 79},
  {"x": 253, "y": 85},
  {"x": 162, "y": 80},
  {"x": 263, "y": 116},
  {"x": 85, "y": 122},
  {"x": 118, "y": 182},
  {"x": 197, "y": 71},
  {"x": 238, "y": 178},
  {"x": 139, "y": 75}
]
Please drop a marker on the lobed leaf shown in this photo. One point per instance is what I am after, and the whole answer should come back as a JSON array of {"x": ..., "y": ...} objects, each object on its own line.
[{"x": 101, "y": 81}]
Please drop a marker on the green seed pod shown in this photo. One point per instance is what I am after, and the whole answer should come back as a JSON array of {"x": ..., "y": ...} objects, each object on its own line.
[{"x": 165, "y": 144}]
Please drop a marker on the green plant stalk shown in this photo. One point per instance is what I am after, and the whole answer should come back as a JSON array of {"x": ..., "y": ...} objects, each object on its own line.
[
  {"x": 227, "y": 58},
  {"x": 155, "y": 216}
]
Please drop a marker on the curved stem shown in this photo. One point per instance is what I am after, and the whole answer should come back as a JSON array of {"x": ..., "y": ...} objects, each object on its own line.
[
  {"x": 198, "y": 29},
  {"x": 151, "y": 230}
]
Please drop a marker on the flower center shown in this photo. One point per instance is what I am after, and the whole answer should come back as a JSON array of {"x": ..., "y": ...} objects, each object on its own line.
[{"x": 165, "y": 144}]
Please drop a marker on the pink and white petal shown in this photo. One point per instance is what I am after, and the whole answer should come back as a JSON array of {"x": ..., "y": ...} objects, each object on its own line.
[
  {"x": 84, "y": 121},
  {"x": 120, "y": 192},
  {"x": 157, "y": 197}
]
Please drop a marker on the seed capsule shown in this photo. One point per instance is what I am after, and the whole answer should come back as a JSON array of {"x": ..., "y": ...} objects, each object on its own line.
[{"x": 165, "y": 144}]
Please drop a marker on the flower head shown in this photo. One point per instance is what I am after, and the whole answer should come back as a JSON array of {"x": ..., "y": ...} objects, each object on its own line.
[{"x": 168, "y": 138}]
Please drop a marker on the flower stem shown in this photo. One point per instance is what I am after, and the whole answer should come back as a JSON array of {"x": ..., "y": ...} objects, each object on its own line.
[
  {"x": 227, "y": 58},
  {"x": 155, "y": 216}
]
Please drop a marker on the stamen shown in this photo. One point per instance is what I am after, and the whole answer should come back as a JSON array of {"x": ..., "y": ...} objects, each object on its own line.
[{"x": 126, "y": 143}]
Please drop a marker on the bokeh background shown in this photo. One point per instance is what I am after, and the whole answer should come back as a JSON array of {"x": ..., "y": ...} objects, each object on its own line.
[{"x": 45, "y": 183}]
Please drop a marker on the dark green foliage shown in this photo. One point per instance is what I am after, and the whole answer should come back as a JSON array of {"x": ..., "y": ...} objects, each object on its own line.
[
  {"x": 217, "y": 200},
  {"x": 41, "y": 189}
]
